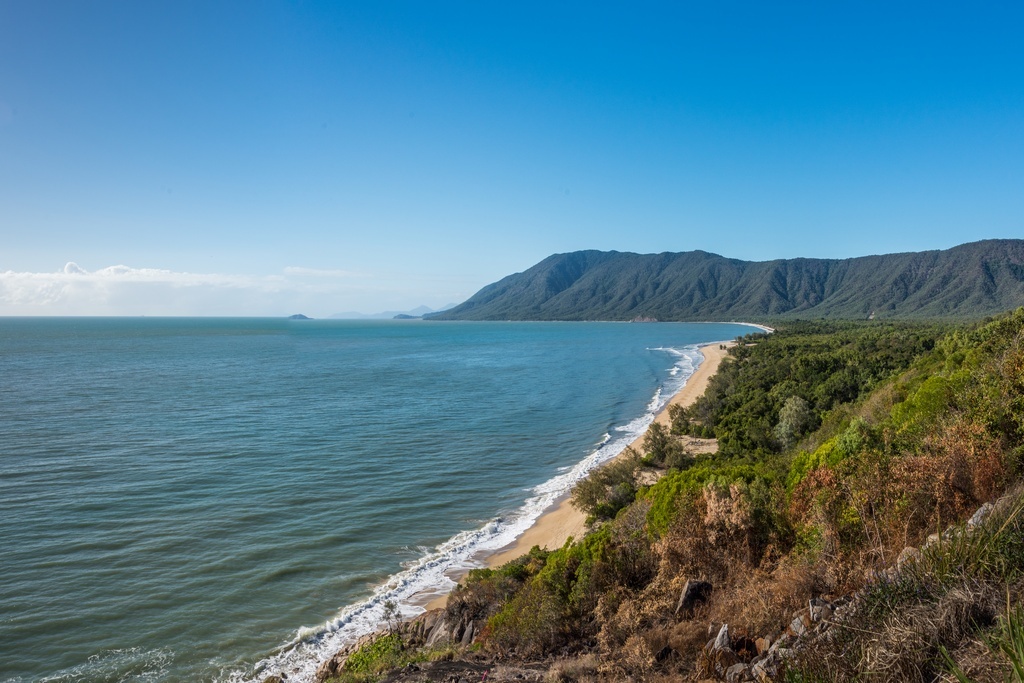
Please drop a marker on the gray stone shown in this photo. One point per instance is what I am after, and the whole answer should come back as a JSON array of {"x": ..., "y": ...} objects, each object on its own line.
[
  {"x": 978, "y": 517},
  {"x": 822, "y": 612},
  {"x": 908, "y": 555},
  {"x": 467, "y": 635},
  {"x": 737, "y": 673},
  {"x": 439, "y": 634},
  {"x": 722, "y": 641},
  {"x": 782, "y": 641}
]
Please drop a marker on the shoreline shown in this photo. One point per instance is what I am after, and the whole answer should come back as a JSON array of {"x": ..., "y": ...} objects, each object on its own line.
[{"x": 561, "y": 520}]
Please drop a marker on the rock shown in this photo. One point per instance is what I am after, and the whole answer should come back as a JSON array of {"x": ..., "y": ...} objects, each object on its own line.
[
  {"x": 273, "y": 679},
  {"x": 907, "y": 555},
  {"x": 978, "y": 517},
  {"x": 819, "y": 610},
  {"x": 663, "y": 654},
  {"x": 467, "y": 635},
  {"x": 766, "y": 670},
  {"x": 762, "y": 645},
  {"x": 737, "y": 673},
  {"x": 439, "y": 634},
  {"x": 693, "y": 593},
  {"x": 778, "y": 644},
  {"x": 801, "y": 623},
  {"x": 722, "y": 639},
  {"x": 331, "y": 668}
]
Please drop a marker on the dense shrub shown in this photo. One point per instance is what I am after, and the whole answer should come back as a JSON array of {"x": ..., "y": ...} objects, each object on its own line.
[{"x": 610, "y": 488}]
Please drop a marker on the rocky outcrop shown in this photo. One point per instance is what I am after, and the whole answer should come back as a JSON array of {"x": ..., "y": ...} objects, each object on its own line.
[{"x": 429, "y": 630}]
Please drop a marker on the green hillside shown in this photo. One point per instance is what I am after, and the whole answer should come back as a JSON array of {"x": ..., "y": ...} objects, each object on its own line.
[{"x": 968, "y": 282}]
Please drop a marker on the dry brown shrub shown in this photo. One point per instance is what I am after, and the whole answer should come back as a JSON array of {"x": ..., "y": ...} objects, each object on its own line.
[
  {"x": 936, "y": 490},
  {"x": 636, "y": 659},
  {"x": 688, "y": 638},
  {"x": 686, "y": 550},
  {"x": 974, "y": 454},
  {"x": 617, "y": 621},
  {"x": 727, "y": 513},
  {"x": 761, "y": 602},
  {"x": 577, "y": 670},
  {"x": 816, "y": 498}
]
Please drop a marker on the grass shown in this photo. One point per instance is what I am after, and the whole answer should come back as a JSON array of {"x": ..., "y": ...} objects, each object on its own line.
[{"x": 908, "y": 623}]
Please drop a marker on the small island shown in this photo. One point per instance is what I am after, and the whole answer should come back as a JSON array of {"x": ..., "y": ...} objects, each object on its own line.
[{"x": 299, "y": 316}]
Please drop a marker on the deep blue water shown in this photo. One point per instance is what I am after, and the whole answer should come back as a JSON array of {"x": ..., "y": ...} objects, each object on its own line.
[{"x": 182, "y": 499}]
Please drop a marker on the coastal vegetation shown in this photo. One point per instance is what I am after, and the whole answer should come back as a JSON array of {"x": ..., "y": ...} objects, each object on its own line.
[
  {"x": 862, "y": 519},
  {"x": 965, "y": 282}
]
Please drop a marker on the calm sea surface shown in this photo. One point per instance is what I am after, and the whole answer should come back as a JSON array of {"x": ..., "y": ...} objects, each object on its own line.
[{"x": 219, "y": 499}]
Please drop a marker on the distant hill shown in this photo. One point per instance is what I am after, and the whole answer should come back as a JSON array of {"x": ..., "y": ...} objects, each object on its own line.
[
  {"x": 969, "y": 281},
  {"x": 417, "y": 312}
]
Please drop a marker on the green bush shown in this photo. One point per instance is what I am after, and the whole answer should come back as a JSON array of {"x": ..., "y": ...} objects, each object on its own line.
[
  {"x": 610, "y": 488},
  {"x": 379, "y": 655}
]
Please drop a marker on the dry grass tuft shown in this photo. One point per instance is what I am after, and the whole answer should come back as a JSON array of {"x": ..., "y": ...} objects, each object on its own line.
[
  {"x": 974, "y": 657},
  {"x": 907, "y": 649},
  {"x": 578, "y": 670}
]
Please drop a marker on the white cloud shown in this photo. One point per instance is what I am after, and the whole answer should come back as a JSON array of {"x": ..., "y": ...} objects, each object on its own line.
[
  {"x": 319, "y": 272},
  {"x": 124, "y": 290}
]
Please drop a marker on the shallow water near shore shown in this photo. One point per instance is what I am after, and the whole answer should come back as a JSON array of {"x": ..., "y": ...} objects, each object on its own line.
[{"x": 213, "y": 499}]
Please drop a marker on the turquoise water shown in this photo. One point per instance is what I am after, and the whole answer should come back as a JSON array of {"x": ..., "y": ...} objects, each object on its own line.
[{"x": 217, "y": 499}]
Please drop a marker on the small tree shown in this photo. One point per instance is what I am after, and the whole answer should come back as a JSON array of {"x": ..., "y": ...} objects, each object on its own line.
[
  {"x": 657, "y": 441},
  {"x": 661, "y": 448},
  {"x": 391, "y": 615},
  {"x": 795, "y": 419}
]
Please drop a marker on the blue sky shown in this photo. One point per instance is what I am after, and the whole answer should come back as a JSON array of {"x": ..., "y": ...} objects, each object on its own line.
[{"x": 259, "y": 158}]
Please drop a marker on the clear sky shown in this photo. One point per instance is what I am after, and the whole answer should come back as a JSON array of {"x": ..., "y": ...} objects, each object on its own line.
[{"x": 188, "y": 157}]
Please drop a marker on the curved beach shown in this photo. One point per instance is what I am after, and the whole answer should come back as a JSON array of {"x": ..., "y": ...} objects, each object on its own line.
[{"x": 562, "y": 520}]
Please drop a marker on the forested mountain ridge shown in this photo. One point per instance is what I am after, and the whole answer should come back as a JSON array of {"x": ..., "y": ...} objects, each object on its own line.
[{"x": 969, "y": 281}]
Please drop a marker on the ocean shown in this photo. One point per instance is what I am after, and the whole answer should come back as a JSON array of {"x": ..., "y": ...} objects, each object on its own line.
[{"x": 216, "y": 499}]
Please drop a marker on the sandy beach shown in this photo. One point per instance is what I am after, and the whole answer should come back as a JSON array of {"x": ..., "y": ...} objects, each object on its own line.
[{"x": 554, "y": 527}]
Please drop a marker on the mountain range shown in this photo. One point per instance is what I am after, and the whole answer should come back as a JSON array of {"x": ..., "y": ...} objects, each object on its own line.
[{"x": 965, "y": 282}]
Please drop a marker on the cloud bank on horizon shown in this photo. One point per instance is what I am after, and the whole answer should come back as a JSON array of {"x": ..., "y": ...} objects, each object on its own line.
[{"x": 124, "y": 290}]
